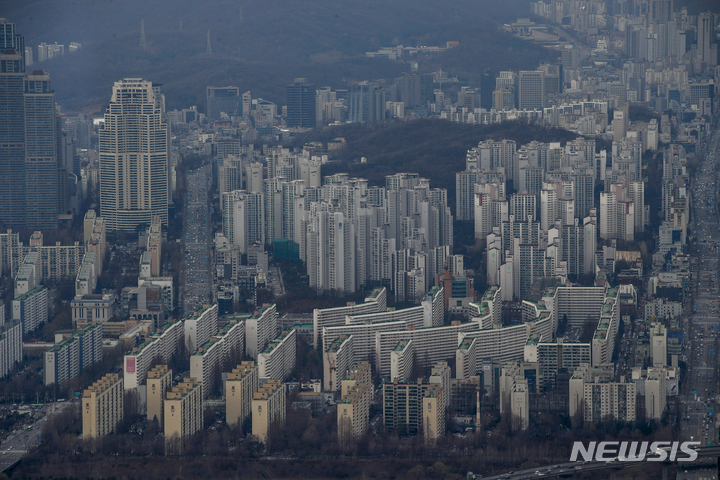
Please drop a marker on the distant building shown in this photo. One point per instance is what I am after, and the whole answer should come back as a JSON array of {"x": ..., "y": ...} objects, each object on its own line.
[
  {"x": 301, "y": 104},
  {"x": 224, "y": 100}
]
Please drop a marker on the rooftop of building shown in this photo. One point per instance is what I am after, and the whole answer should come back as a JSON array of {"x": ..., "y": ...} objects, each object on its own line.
[
  {"x": 533, "y": 339},
  {"x": 158, "y": 371},
  {"x": 199, "y": 311},
  {"x": 31, "y": 293},
  {"x": 272, "y": 345},
  {"x": 70, "y": 339},
  {"x": 374, "y": 294},
  {"x": 95, "y": 297},
  {"x": 401, "y": 345},
  {"x": 466, "y": 343},
  {"x": 101, "y": 385},
  {"x": 183, "y": 389},
  {"x": 259, "y": 311},
  {"x": 337, "y": 343}
]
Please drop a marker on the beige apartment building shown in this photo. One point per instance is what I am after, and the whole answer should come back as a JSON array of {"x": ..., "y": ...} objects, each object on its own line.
[
  {"x": 102, "y": 406},
  {"x": 268, "y": 408},
  {"x": 240, "y": 386},
  {"x": 159, "y": 381},
  {"x": 183, "y": 413},
  {"x": 353, "y": 411}
]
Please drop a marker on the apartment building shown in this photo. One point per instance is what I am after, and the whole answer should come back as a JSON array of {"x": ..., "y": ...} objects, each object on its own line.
[
  {"x": 159, "y": 382},
  {"x": 337, "y": 360},
  {"x": 240, "y": 386},
  {"x": 200, "y": 326},
  {"x": 102, "y": 409},
  {"x": 279, "y": 357},
  {"x": 184, "y": 413},
  {"x": 329, "y": 317},
  {"x": 226, "y": 346},
  {"x": 260, "y": 329},
  {"x": 68, "y": 358},
  {"x": 268, "y": 409},
  {"x": 163, "y": 343}
]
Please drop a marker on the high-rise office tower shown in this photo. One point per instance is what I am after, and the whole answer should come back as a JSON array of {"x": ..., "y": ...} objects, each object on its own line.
[
  {"x": 42, "y": 174},
  {"x": 30, "y": 177},
  {"x": 532, "y": 90},
  {"x": 223, "y": 100},
  {"x": 133, "y": 157},
  {"x": 661, "y": 11},
  {"x": 301, "y": 104},
  {"x": 705, "y": 33},
  {"x": 12, "y": 128}
]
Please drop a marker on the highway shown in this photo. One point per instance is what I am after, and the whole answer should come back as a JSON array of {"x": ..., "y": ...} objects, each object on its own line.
[
  {"x": 17, "y": 444},
  {"x": 702, "y": 328},
  {"x": 196, "y": 283}
]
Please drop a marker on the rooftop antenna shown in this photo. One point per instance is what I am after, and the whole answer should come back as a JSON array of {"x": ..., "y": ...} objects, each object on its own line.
[
  {"x": 143, "y": 41},
  {"x": 209, "y": 48}
]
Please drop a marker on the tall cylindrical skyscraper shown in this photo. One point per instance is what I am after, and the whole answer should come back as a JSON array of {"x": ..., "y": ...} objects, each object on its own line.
[{"x": 133, "y": 157}]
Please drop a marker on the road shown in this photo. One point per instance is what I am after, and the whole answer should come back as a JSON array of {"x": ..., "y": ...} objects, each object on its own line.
[
  {"x": 196, "y": 284},
  {"x": 17, "y": 445},
  {"x": 702, "y": 328}
]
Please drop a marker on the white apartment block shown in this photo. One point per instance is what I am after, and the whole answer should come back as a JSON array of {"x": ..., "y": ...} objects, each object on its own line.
[
  {"x": 402, "y": 361},
  {"x": 655, "y": 393},
  {"x": 260, "y": 329},
  {"x": 200, "y": 326},
  {"x": 363, "y": 336},
  {"x": 86, "y": 279},
  {"x": 554, "y": 356},
  {"x": 31, "y": 309},
  {"x": 506, "y": 344},
  {"x": 28, "y": 275},
  {"x": 466, "y": 358},
  {"x": 662, "y": 309},
  {"x": 226, "y": 346},
  {"x": 243, "y": 218},
  {"x": 329, "y": 317},
  {"x": 163, "y": 343},
  {"x": 68, "y": 358},
  {"x": 278, "y": 359},
  {"x": 603, "y": 342},
  {"x": 10, "y": 344},
  {"x": 434, "y": 344}
]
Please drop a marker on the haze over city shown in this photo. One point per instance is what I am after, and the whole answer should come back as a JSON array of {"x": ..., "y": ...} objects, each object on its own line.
[{"x": 359, "y": 240}]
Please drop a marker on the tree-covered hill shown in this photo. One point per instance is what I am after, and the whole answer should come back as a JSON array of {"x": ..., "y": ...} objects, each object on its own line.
[{"x": 433, "y": 148}]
